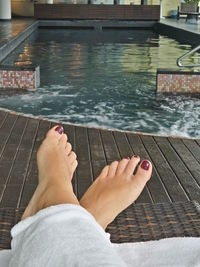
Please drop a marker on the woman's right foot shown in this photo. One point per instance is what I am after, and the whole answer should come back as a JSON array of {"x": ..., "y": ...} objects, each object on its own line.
[
  {"x": 56, "y": 164},
  {"x": 116, "y": 188}
]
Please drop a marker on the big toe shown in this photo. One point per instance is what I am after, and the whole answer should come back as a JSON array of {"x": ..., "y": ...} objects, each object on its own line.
[
  {"x": 142, "y": 176},
  {"x": 55, "y": 132},
  {"x": 144, "y": 170}
]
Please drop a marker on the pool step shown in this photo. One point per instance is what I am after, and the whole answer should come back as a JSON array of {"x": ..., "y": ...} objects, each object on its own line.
[
  {"x": 175, "y": 81},
  {"x": 23, "y": 77}
]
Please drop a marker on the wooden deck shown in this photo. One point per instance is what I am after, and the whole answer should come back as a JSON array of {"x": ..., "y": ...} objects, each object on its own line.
[
  {"x": 176, "y": 172},
  {"x": 99, "y": 12}
]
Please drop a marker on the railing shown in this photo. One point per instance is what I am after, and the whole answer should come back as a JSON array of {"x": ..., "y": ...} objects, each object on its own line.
[{"x": 179, "y": 60}]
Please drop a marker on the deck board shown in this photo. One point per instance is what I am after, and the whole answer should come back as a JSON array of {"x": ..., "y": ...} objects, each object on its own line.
[
  {"x": 123, "y": 144},
  {"x": 170, "y": 182},
  {"x": 187, "y": 157},
  {"x": 185, "y": 177},
  {"x": 176, "y": 163},
  {"x": 194, "y": 148},
  {"x": 110, "y": 147},
  {"x": 98, "y": 159},
  {"x": 84, "y": 170}
]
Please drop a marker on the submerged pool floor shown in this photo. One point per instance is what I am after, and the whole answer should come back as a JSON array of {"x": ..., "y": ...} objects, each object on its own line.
[{"x": 105, "y": 79}]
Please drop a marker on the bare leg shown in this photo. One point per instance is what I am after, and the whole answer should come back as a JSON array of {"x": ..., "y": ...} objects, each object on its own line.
[
  {"x": 56, "y": 165},
  {"x": 115, "y": 189}
]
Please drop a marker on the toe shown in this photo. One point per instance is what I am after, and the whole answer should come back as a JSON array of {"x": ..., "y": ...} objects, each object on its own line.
[
  {"x": 113, "y": 168},
  {"x": 56, "y": 132},
  {"x": 132, "y": 164},
  {"x": 68, "y": 148},
  {"x": 74, "y": 165},
  {"x": 104, "y": 172},
  {"x": 72, "y": 157},
  {"x": 140, "y": 179},
  {"x": 122, "y": 165},
  {"x": 63, "y": 141},
  {"x": 144, "y": 171}
]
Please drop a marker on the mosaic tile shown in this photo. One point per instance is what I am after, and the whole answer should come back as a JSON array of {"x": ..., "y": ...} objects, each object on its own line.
[{"x": 180, "y": 82}]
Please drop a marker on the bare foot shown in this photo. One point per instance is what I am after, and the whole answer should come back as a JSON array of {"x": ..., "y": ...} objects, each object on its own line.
[
  {"x": 56, "y": 164},
  {"x": 116, "y": 188}
]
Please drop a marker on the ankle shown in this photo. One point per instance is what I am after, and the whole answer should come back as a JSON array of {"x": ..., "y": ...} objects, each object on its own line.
[{"x": 58, "y": 194}]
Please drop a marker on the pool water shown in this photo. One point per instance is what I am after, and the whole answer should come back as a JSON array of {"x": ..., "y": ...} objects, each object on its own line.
[{"x": 105, "y": 79}]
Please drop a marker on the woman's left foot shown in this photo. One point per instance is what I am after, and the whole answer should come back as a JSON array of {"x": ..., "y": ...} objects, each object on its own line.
[
  {"x": 56, "y": 164},
  {"x": 115, "y": 189}
]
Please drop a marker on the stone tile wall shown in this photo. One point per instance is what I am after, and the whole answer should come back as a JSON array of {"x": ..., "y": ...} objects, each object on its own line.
[
  {"x": 19, "y": 78},
  {"x": 178, "y": 82}
]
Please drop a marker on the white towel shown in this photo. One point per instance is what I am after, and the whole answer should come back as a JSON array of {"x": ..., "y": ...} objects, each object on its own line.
[
  {"x": 67, "y": 235},
  {"x": 172, "y": 252}
]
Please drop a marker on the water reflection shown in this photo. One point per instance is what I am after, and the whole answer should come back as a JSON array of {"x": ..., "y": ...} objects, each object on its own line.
[{"x": 107, "y": 79}]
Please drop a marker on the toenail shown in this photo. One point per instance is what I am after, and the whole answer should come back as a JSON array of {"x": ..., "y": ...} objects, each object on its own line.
[
  {"x": 127, "y": 157},
  {"x": 136, "y": 156},
  {"x": 145, "y": 165},
  {"x": 59, "y": 129}
]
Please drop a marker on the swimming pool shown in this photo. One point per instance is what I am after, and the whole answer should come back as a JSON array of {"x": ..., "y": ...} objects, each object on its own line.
[{"x": 104, "y": 79}]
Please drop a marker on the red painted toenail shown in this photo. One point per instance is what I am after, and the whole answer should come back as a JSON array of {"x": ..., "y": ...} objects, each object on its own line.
[
  {"x": 136, "y": 156},
  {"x": 59, "y": 129},
  {"x": 127, "y": 158},
  {"x": 145, "y": 165}
]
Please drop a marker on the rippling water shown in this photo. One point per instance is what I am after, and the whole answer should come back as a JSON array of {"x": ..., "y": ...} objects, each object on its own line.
[{"x": 105, "y": 79}]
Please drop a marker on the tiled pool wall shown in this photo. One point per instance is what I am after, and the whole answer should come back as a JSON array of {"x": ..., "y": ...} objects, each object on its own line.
[
  {"x": 19, "y": 77},
  {"x": 169, "y": 81}
]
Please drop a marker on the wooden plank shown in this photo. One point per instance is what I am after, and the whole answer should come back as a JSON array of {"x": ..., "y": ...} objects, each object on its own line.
[
  {"x": 97, "y": 12},
  {"x": 26, "y": 146},
  {"x": 158, "y": 192},
  {"x": 171, "y": 183},
  {"x": 43, "y": 128},
  {"x": 96, "y": 146},
  {"x": 17, "y": 173},
  {"x": 30, "y": 134},
  {"x": 11, "y": 196},
  {"x": 6, "y": 130},
  {"x": 98, "y": 159},
  {"x": 32, "y": 173},
  {"x": 28, "y": 191},
  {"x": 198, "y": 141},
  {"x": 17, "y": 131},
  {"x": 186, "y": 179},
  {"x": 11, "y": 149},
  {"x": 190, "y": 162},
  {"x": 3, "y": 116},
  {"x": 123, "y": 144},
  {"x": 110, "y": 147},
  {"x": 194, "y": 148},
  {"x": 1, "y": 192},
  {"x": 5, "y": 167},
  {"x": 84, "y": 170}
]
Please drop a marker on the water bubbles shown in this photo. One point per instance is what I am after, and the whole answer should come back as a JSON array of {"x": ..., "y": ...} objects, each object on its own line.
[{"x": 98, "y": 82}]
